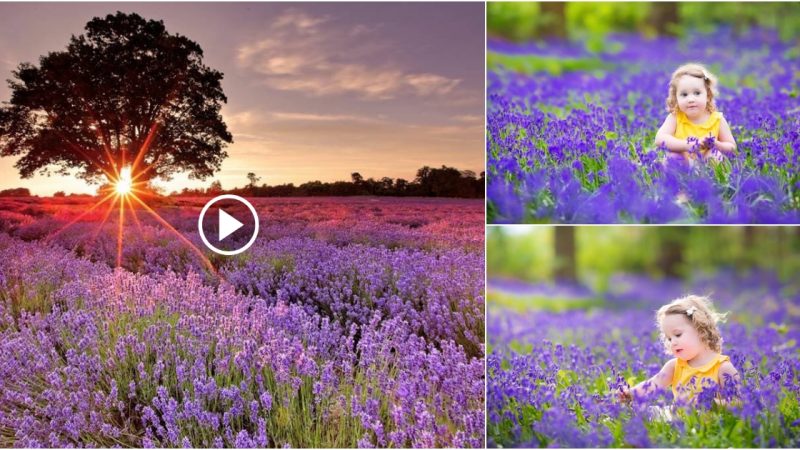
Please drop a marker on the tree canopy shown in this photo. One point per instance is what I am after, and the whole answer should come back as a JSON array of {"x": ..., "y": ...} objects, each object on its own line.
[{"x": 126, "y": 92}]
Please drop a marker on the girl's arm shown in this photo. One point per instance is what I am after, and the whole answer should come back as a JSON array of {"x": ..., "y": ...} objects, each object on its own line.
[
  {"x": 659, "y": 381},
  {"x": 666, "y": 135},
  {"x": 727, "y": 373},
  {"x": 726, "y": 143}
]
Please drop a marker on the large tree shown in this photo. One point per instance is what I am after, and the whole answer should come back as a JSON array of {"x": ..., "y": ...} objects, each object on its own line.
[{"x": 126, "y": 92}]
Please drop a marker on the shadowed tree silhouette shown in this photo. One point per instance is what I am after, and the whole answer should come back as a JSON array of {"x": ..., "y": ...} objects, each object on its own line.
[
  {"x": 251, "y": 176},
  {"x": 445, "y": 182},
  {"x": 124, "y": 93},
  {"x": 565, "y": 264},
  {"x": 430, "y": 182}
]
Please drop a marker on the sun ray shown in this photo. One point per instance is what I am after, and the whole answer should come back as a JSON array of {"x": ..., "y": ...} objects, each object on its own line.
[
  {"x": 95, "y": 126},
  {"x": 141, "y": 192},
  {"x": 97, "y": 163},
  {"x": 106, "y": 145},
  {"x": 120, "y": 225},
  {"x": 60, "y": 230},
  {"x": 134, "y": 215},
  {"x": 151, "y": 134},
  {"x": 88, "y": 157},
  {"x": 181, "y": 236},
  {"x": 90, "y": 242},
  {"x": 103, "y": 222}
]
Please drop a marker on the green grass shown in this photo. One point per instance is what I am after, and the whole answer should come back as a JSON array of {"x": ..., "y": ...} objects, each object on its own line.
[
  {"x": 524, "y": 303},
  {"x": 531, "y": 64}
]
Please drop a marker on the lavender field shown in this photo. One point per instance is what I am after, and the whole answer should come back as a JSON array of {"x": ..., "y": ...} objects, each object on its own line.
[
  {"x": 570, "y": 133},
  {"x": 554, "y": 371},
  {"x": 350, "y": 322}
]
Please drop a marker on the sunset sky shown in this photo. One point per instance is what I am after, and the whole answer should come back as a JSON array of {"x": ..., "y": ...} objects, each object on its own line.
[{"x": 315, "y": 91}]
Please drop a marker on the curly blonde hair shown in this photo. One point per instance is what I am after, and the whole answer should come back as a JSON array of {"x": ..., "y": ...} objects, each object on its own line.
[
  {"x": 697, "y": 71},
  {"x": 703, "y": 317}
]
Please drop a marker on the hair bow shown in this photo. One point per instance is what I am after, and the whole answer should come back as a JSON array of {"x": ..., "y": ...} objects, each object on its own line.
[
  {"x": 691, "y": 311},
  {"x": 705, "y": 75}
]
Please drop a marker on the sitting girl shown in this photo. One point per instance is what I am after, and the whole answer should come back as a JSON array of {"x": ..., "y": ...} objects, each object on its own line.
[
  {"x": 694, "y": 124},
  {"x": 689, "y": 332}
]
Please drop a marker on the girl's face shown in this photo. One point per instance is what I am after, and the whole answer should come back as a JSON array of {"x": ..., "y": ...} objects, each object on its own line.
[
  {"x": 682, "y": 338},
  {"x": 692, "y": 95}
]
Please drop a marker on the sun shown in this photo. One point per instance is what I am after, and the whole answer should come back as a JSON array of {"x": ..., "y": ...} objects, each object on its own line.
[{"x": 124, "y": 183}]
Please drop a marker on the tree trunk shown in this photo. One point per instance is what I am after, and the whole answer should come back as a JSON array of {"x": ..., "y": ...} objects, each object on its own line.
[
  {"x": 748, "y": 247},
  {"x": 664, "y": 17},
  {"x": 780, "y": 259},
  {"x": 565, "y": 254},
  {"x": 554, "y": 23},
  {"x": 671, "y": 252}
]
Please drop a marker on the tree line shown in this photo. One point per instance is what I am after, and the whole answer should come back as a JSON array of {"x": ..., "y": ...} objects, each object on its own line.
[{"x": 429, "y": 182}]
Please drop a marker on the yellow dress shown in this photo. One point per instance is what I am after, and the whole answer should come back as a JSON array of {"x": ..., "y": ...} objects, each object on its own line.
[
  {"x": 682, "y": 384},
  {"x": 686, "y": 127}
]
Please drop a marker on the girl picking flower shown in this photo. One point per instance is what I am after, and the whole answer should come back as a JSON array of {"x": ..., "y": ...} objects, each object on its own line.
[
  {"x": 694, "y": 126},
  {"x": 689, "y": 332}
]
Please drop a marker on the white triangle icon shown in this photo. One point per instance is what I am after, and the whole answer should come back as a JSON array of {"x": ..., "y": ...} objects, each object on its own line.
[{"x": 227, "y": 224}]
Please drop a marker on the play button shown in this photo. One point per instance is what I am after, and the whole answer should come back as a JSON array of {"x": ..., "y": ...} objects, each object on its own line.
[
  {"x": 227, "y": 224},
  {"x": 233, "y": 226}
]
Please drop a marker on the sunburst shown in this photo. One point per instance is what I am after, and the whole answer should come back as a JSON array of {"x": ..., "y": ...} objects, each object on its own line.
[
  {"x": 124, "y": 184},
  {"x": 126, "y": 187}
]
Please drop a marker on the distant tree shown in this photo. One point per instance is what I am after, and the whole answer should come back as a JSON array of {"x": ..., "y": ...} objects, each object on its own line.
[
  {"x": 748, "y": 247},
  {"x": 566, "y": 267},
  {"x": 479, "y": 186},
  {"x": 253, "y": 179},
  {"x": 59, "y": 194},
  {"x": 386, "y": 185},
  {"x": 671, "y": 257},
  {"x": 441, "y": 182},
  {"x": 423, "y": 179},
  {"x": 313, "y": 188},
  {"x": 400, "y": 186},
  {"x": 215, "y": 188},
  {"x": 15, "y": 192},
  {"x": 125, "y": 88},
  {"x": 664, "y": 17},
  {"x": 554, "y": 21}
]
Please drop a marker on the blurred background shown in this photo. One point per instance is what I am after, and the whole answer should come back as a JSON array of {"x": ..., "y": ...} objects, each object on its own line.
[
  {"x": 539, "y": 266},
  {"x": 519, "y": 22}
]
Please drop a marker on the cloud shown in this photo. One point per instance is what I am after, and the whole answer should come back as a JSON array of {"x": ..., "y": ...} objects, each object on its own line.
[
  {"x": 428, "y": 83},
  {"x": 317, "y": 56},
  {"x": 286, "y": 146},
  {"x": 289, "y": 116},
  {"x": 469, "y": 118}
]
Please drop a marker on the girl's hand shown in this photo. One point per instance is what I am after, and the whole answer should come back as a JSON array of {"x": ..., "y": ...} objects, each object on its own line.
[
  {"x": 624, "y": 395},
  {"x": 727, "y": 147},
  {"x": 708, "y": 143}
]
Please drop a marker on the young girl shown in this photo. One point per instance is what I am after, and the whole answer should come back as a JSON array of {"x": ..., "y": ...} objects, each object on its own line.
[
  {"x": 689, "y": 332},
  {"x": 693, "y": 118}
]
